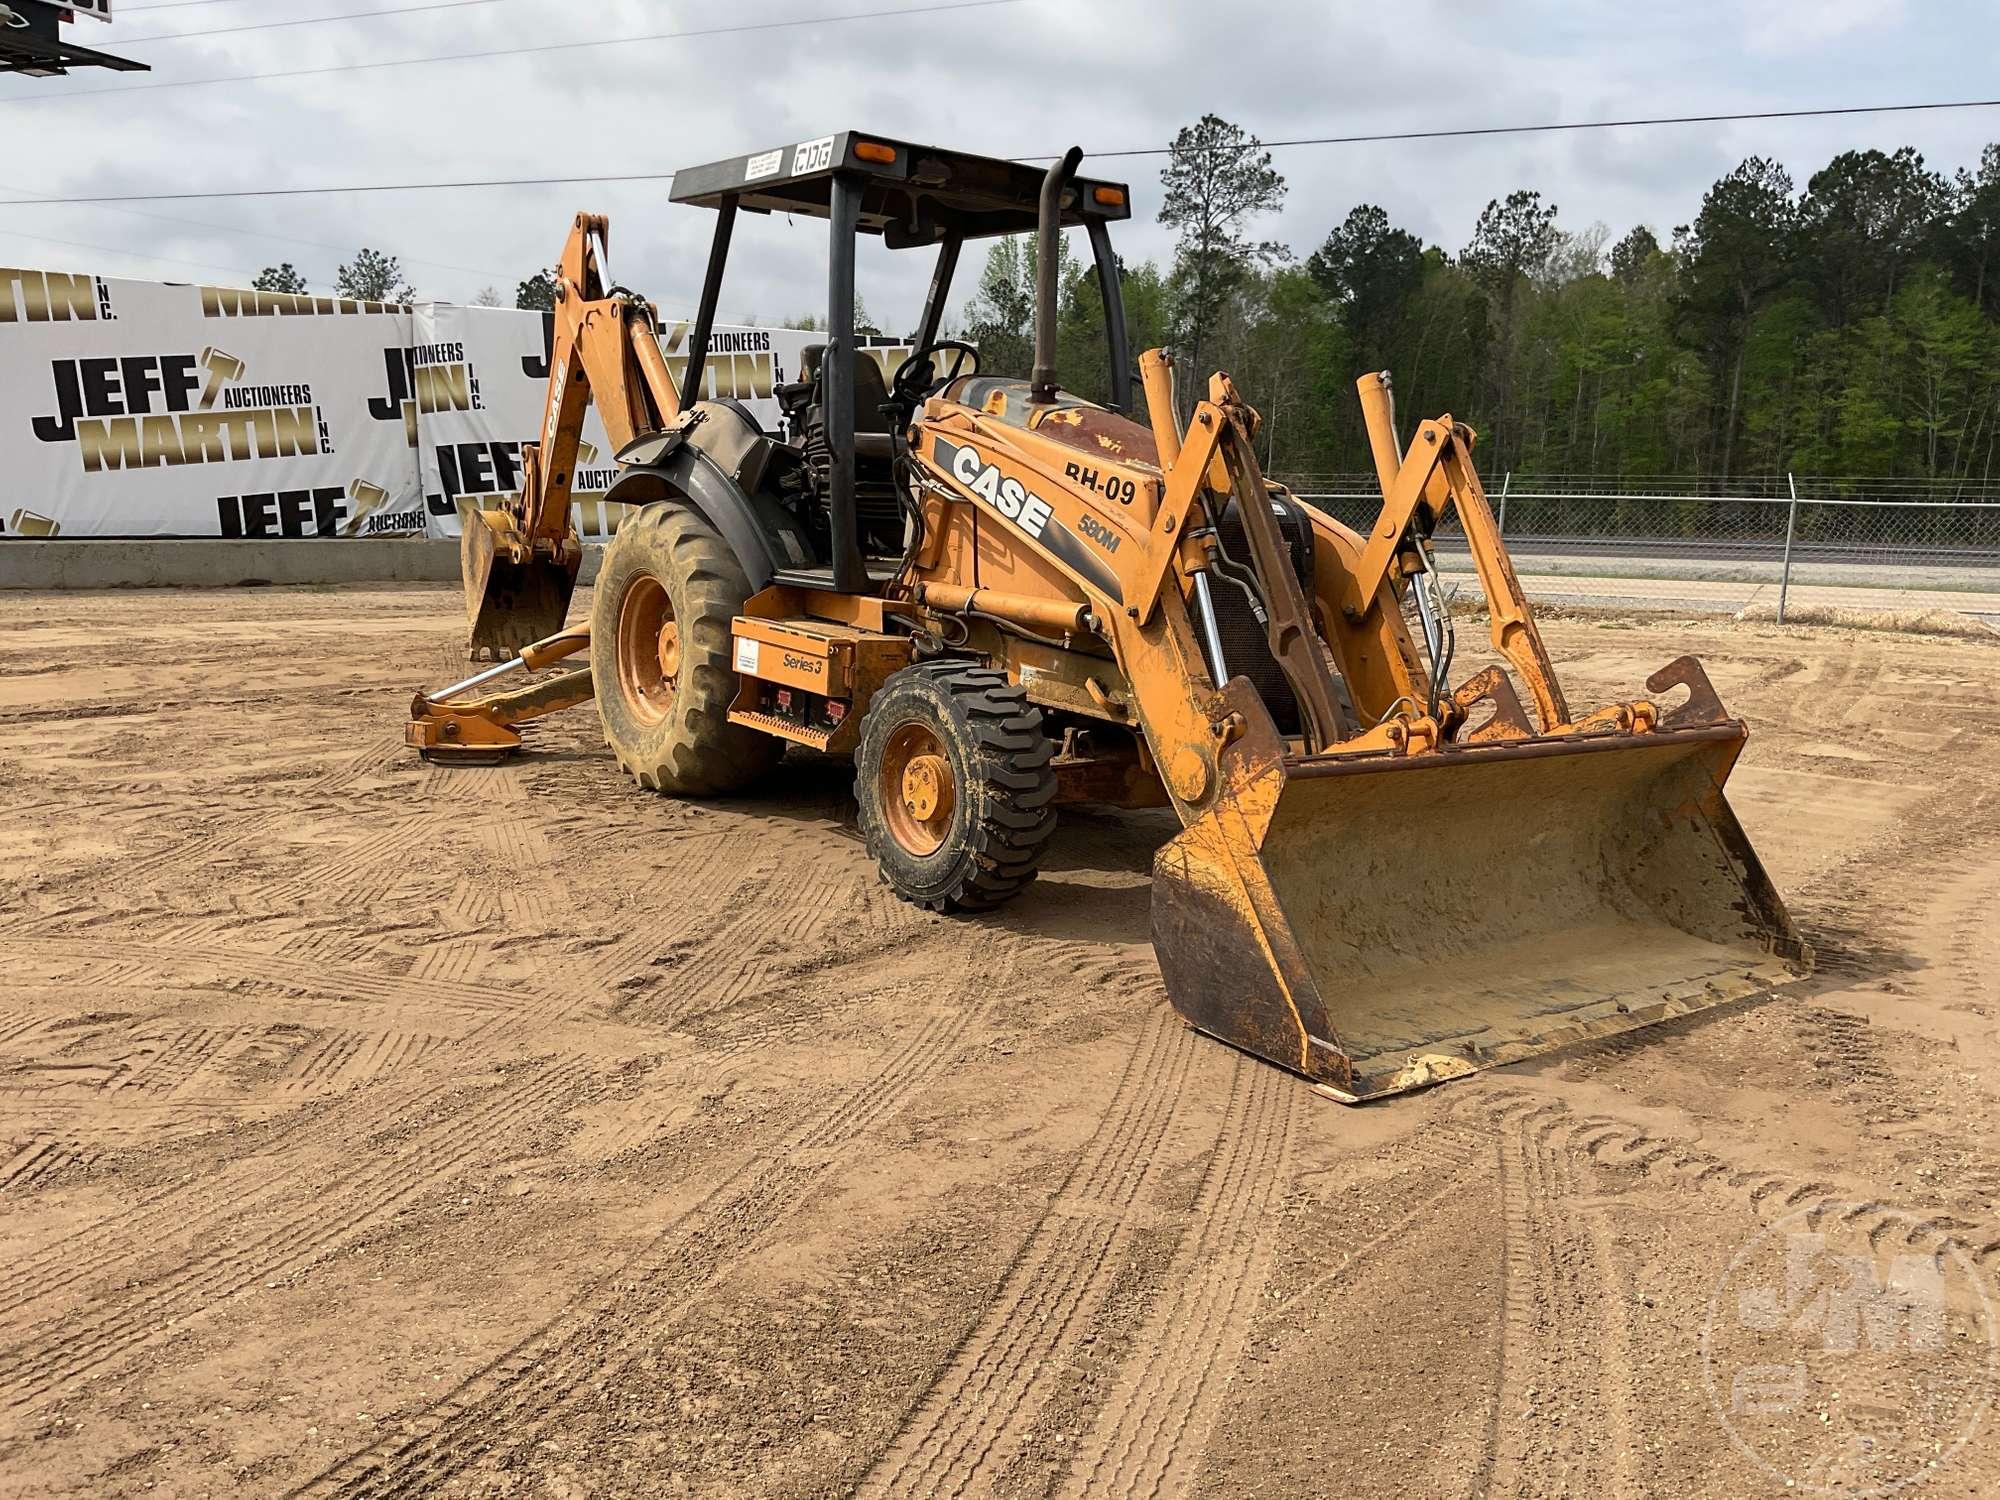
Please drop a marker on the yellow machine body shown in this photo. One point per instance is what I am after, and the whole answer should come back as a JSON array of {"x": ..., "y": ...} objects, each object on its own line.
[{"x": 1404, "y": 881}]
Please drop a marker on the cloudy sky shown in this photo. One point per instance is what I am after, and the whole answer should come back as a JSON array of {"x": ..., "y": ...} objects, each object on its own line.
[{"x": 1015, "y": 77}]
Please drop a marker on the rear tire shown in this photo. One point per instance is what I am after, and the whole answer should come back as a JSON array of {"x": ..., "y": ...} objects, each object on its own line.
[
  {"x": 660, "y": 656},
  {"x": 955, "y": 786}
]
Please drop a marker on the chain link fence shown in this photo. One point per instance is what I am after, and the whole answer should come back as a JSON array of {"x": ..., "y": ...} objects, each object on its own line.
[{"x": 1800, "y": 549}]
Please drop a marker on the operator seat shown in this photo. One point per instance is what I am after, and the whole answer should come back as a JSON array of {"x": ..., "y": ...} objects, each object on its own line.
[{"x": 873, "y": 431}]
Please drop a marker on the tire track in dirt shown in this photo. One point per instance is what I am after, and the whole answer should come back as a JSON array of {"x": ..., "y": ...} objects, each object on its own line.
[
  {"x": 41, "y": 1158},
  {"x": 175, "y": 1065},
  {"x": 378, "y": 754},
  {"x": 1852, "y": 907},
  {"x": 988, "y": 1397},
  {"x": 485, "y": 785},
  {"x": 531, "y": 894},
  {"x": 19, "y": 1025},
  {"x": 196, "y": 1075},
  {"x": 508, "y": 1405},
  {"x": 342, "y": 1059},
  {"x": 773, "y": 948},
  {"x": 248, "y": 1185},
  {"x": 1559, "y": 1354},
  {"x": 1618, "y": 1381},
  {"x": 63, "y": 1351},
  {"x": 592, "y": 965},
  {"x": 1966, "y": 895},
  {"x": 1439, "y": 1162},
  {"x": 1767, "y": 1192},
  {"x": 127, "y": 962},
  {"x": 205, "y": 844},
  {"x": 1151, "y": 1432},
  {"x": 1827, "y": 687},
  {"x": 778, "y": 898},
  {"x": 1752, "y": 1185},
  {"x": 765, "y": 929},
  {"x": 349, "y": 872},
  {"x": 1841, "y": 1050},
  {"x": 1129, "y": 972},
  {"x": 470, "y": 916}
]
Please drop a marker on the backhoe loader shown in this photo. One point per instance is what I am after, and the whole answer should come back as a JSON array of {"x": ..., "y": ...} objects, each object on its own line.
[{"x": 998, "y": 597}]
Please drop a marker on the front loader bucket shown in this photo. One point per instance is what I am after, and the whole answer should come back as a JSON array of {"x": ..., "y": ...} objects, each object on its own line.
[
  {"x": 1378, "y": 924},
  {"x": 514, "y": 596}
]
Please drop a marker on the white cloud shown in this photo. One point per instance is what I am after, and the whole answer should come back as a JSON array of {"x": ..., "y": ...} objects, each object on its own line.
[
  {"x": 1024, "y": 78},
  {"x": 1788, "y": 28}
]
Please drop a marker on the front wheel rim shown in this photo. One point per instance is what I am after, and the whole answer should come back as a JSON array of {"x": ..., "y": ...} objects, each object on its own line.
[{"x": 916, "y": 789}]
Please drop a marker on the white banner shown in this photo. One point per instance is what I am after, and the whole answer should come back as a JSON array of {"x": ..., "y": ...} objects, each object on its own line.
[
  {"x": 132, "y": 408},
  {"x": 129, "y": 408},
  {"x": 480, "y": 381}
]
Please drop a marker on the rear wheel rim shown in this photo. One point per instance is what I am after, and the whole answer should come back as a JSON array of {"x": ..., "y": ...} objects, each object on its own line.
[
  {"x": 649, "y": 649},
  {"x": 916, "y": 789}
]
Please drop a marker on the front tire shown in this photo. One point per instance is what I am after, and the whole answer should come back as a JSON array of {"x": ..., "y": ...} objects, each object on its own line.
[
  {"x": 955, "y": 786},
  {"x": 660, "y": 632}
]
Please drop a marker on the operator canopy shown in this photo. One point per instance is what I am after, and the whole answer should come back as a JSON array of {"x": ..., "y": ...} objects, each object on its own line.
[{"x": 911, "y": 195}]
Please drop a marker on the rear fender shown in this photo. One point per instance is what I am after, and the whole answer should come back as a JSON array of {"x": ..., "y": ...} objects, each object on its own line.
[{"x": 690, "y": 477}]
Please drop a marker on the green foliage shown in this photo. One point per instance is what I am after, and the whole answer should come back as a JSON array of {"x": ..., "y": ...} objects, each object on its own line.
[
  {"x": 1001, "y": 316},
  {"x": 1217, "y": 177},
  {"x": 1864, "y": 219},
  {"x": 1970, "y": 242},
  {"x": 1369, "y": 269},
  {"x": 373, "y": 276},
  {"x": 537, "y": 293},
  {"x": 1852, "y": 329},
  {"x": 279, "y": 278}
]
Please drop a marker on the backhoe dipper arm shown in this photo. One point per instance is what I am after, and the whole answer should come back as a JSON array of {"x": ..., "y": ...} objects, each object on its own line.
[
  {"x": 605, "y": 349},
  {"x": 519, "y": 560}
]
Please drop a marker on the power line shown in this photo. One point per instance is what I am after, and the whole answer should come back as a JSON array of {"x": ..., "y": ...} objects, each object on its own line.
[
  {"x": 257, "y": 234},
  {"x": 623, "y": 177},
  {"x": 1472, "y": 130},
  {"x": 165, "y": 260},
  {"x": 353, "y": 15},
  {"x": 307, "y": 192},
  {"x": 413, "y": 62}
]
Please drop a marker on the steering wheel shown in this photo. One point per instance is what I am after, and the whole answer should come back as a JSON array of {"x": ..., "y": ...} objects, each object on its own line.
[{"x": 916, "y": 377}]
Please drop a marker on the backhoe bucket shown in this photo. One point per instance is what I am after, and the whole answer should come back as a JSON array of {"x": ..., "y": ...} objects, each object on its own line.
[
  {"x": 514, "y": 595},
  {"x": 1378, "y": 924}
]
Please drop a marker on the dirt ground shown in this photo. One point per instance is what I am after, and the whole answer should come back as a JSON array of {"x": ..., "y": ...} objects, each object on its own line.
[{"x": 377, "y": 1129}]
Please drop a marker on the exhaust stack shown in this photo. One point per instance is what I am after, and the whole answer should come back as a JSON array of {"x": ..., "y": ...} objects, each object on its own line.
[{"x": 1042, "y": 387}]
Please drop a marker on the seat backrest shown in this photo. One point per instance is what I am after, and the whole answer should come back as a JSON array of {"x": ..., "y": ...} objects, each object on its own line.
[{"x": 871, "y": 391}]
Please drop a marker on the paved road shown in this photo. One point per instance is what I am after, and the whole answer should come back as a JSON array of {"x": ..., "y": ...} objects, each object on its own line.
[
  {"x": 1733, "y": 596},
  {"x": 1969, "y": 555},
  {"x": 1725, "y": 550}
]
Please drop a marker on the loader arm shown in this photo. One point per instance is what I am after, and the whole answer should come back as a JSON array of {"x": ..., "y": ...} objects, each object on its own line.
[
  {"x": 1417, "y": 488},
  {"x": 1410, "y": 898}
]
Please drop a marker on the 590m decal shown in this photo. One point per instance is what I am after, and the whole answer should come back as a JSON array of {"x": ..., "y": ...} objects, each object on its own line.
[{"x": 1029, "y": 511}]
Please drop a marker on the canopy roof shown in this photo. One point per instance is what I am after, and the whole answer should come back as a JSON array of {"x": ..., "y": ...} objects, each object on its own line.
[{"x": 915, "y": 196}]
